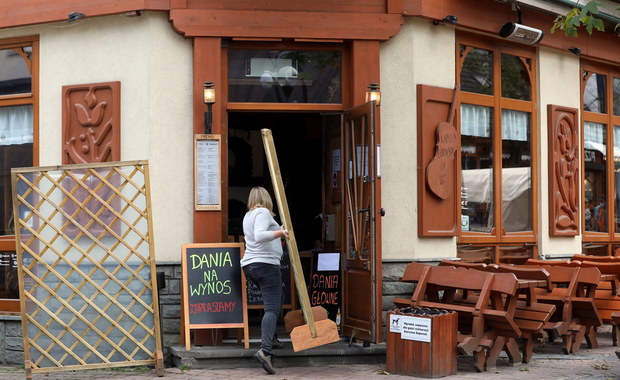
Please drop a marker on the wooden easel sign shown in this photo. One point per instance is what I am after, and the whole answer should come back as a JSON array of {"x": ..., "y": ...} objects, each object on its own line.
[{"x": 213, "y": 288}]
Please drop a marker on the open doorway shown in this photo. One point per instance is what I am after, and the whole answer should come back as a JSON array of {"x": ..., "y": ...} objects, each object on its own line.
[{"x": 298, "y": 141}]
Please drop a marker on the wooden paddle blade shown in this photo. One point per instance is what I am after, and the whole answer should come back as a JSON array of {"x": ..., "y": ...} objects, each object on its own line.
[
  {"x": 326, "y": 332},
  {"x": 295, "y": 318}
]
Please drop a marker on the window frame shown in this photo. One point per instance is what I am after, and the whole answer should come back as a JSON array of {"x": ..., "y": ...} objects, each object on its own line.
[
  {"x": 498, "y": 238},
  {"x": 604, "y": 241},
  {"x": 7, "y": 242}
]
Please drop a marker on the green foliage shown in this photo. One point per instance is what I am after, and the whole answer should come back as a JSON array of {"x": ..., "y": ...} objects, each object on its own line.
[{"x": 576, "y": 18}]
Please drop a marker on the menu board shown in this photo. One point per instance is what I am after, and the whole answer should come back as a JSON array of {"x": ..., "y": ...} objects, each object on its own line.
[
  {"x": 325, "y": 289},
  {"x": 213, "y": 286},
  {"x": 207, "y": 176}
]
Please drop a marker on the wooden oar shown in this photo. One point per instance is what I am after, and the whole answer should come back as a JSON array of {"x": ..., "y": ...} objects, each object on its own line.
[{"x": 314, "y": 333}]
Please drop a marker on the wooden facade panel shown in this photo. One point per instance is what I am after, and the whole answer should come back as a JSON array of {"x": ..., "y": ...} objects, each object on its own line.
[
  {"x": 489, "y": 16},
  {"x": 26, "y": 12},
  {"x": 564, "y": 176},
  {"x": 362, "y": 6},
  {"x": 438, "y": 210},
  {"x": 334, "y": 25}
]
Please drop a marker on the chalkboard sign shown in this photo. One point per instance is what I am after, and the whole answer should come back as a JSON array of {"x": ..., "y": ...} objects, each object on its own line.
[
  {"x": 214, "y": 292},
  {"x": 325, "y": 284},
  {"x": 255, "y": 299}
]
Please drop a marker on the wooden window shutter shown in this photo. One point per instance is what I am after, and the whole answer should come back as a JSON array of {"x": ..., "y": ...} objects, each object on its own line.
[
  {"x": 438, "y": 145},
  {"x": 564, "y": 177}
]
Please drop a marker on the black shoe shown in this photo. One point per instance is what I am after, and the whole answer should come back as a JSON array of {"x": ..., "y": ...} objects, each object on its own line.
[
  {"x": 265, "y": 361},
  {"x": 276, "y": 344}
]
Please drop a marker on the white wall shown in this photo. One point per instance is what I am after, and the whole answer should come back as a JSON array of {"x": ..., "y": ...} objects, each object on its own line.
[
  {"x": 420, "y": 53},
  {"x": 154, "y": 66},
  {"x": 558, "y": 78}
]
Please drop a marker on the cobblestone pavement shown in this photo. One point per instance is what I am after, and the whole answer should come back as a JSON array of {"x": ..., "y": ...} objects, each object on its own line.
[{"x": 547, "y": 363}]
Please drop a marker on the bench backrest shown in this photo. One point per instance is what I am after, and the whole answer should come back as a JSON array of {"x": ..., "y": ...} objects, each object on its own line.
[
  {"x": 462, "y": 264},
  {"x": 604, "y": 267},
  {"x": 413, "y": 272},
  {"x": 523, "y": 273},
  {"x": 549, "y": 262},
  {"x": 606, "y": 259}
]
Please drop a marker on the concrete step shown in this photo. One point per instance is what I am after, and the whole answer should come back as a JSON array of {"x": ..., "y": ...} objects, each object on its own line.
[{"x": 233, "y": 355}]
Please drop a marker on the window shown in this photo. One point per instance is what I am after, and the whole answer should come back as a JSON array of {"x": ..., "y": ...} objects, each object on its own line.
[
  {"x": 18, "y": 63},
  {"x": 601, "y": 156},
  {"x": 497, "y": 124},
  {"x": 285, "y": 76}
]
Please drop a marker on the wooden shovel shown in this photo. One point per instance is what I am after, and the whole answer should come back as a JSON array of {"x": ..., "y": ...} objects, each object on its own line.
[{"x": 313, "y": 333}]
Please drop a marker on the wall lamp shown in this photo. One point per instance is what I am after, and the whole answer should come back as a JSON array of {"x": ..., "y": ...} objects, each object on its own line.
[
  {"x": 449, "y": 19},
  {"x": 575, "y": 50},
  {"x": 74, "y": 16},
  {"x": 373, "y": 93},
  {"x": 208, "y": 93}
]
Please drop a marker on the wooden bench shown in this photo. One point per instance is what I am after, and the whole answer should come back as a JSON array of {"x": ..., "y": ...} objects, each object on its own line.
[
  {"x": 490, "y": 324},
  {"x": 576, "y": 315},
  {"x": 606, "y": 297},
  {"x": 483, "y": 326},
  {"x": 530, "y": 315}
]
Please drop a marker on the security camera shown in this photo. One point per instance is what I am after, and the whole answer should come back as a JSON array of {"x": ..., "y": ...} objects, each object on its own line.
[{"x": 521, "y": 33}]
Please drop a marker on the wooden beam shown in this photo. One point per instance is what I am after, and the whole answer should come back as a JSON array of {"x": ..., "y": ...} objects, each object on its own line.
[{"x": 263, "y": 24}]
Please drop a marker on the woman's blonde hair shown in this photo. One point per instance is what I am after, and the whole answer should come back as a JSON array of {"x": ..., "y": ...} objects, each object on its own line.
[{"x": 259, "y": 197}]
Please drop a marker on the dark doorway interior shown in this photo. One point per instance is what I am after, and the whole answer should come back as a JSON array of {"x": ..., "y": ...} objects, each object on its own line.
[{"x": 298, "y": 141}]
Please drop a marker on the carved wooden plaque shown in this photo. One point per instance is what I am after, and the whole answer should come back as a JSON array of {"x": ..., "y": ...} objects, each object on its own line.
[
  {"x": 91, "y": 123},
  {"x": 563, "y": 132},
  {"x": 91, "y": 133},
  {"x": 438, "y": 144}
]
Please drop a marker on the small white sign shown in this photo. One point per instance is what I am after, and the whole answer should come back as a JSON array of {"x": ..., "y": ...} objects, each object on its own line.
[
  {"x": 396, "y": 323},
  {"x": 414, "y": 328},
  {"x": 328, "y": 262}
]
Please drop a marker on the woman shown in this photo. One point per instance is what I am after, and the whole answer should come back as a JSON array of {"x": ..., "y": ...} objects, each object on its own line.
[{"x": 261, "y": 264}]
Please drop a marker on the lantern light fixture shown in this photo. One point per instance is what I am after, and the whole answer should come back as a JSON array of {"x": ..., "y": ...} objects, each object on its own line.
[
  {"x": 208, "y": 93},
  {"x": 373, "y": 93}
]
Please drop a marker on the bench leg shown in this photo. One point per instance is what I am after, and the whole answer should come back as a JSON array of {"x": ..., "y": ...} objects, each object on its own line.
[
  {"x": 591, "y": 337},
  {"x": 493, "y": 353},
  {"x": 567, "y": 343},
  {"x": 479, "y": 360},
  {"x": 578, "y": 333},
  {"x": 512, "y": 350},
  {"x": 528, "y": 347},
  {"x": 614, "y": 334}
]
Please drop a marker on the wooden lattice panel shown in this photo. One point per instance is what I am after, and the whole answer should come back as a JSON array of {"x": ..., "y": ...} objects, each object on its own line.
[{"x": 86, "y": 267}]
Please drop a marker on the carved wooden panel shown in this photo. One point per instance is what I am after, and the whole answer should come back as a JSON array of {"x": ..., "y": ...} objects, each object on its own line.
[
  {"x": 563, "y": 133},
  {"x": 91, "y": 133},
  {"x": 91, "y": 123},
  {"x": 438, "y": 144}
]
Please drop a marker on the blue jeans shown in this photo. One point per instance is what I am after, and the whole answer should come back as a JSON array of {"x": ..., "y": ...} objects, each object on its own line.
[{"x": 268, "y": 278}]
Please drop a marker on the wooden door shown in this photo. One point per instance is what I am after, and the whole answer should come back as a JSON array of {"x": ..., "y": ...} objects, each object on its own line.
[{"x": 359, "y": 246}]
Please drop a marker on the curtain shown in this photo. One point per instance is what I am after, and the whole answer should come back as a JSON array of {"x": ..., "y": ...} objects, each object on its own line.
[
  {"x": 16, "y": 125},
  {"x": 515, "y": 125},
  {"x": 477, "y": 121},
  {"x": 594, "y": 137}
]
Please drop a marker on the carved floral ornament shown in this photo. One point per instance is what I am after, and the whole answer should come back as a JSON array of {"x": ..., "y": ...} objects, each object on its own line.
[
  {"x": 563, "y": 171},
  {"x": 91, "y": 123}
]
